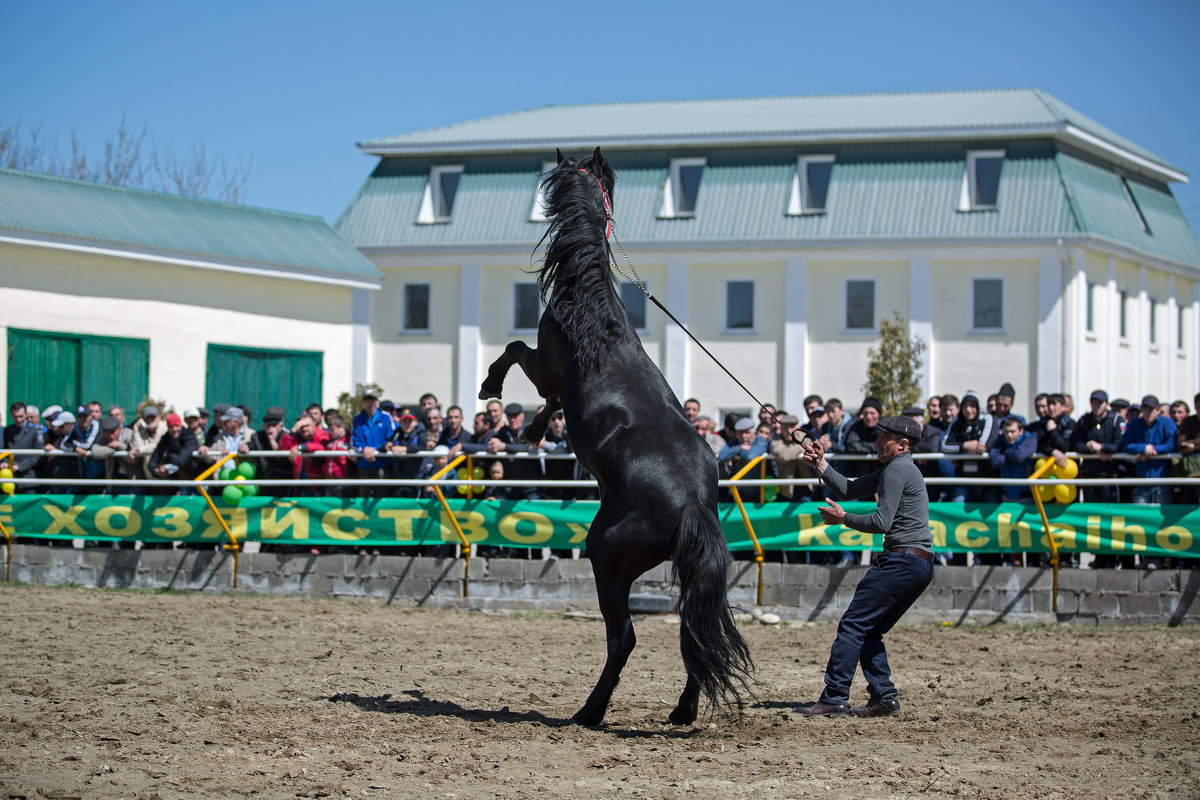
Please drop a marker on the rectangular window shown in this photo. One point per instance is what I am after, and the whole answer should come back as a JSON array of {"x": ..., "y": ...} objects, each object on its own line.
[
  {"x": 981, "y": 182},
  {"x": 860, "y": 305},
  {"x": 1091, "y": 307},
  {"x": 810, "y": 185},
  {"x": 1123, "y": 314},
  {"x": 437, "y": 204},
  {"x": 682, "y": 189},
  {"x": 987, "y": 304},
  {"x": 1137, "y": 209},
  {"x": 1153, "y": 323},
  {"x": 527, "y": 308},
  {"x": 634, "y": 300},
  {"x": 416, "y": 307},
  {"x": 739, "y": 305},
  {"x": 538, "y": 214}
]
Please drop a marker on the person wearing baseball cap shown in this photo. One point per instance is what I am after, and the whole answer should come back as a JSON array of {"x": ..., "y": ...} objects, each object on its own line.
[
  {"x": 370, "y": 432},
  {"x": 1098, "y": 432},
  {"x": 893, "y": 582},
  {"x": 508, "y": 440},
  {"x": 1150, "y": 435}
]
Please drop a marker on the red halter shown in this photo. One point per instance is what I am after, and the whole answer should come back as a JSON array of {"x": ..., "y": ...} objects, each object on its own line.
[{"x": 607, "y": 204}]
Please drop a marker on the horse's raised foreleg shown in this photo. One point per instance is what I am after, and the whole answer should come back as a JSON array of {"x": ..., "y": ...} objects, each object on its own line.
[
  {"x": 515, "y": 353},
  {"x": 613, "y": 593},
  {"x": 536, "y": 429}
]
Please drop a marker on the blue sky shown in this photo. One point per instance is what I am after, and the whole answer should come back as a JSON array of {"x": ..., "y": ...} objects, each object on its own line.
[{"x": 291, "y": 87}]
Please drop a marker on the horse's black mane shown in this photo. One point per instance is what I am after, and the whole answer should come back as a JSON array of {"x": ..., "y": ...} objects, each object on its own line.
[{"x": 574, "y": 278}]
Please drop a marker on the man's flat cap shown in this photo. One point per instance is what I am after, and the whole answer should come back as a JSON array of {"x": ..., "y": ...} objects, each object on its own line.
[
  {"x": 1150, "y": 400},
  {"x": 913, "y": 411},
  {"x": 901, "y": 426},
  {"x": 745, "y": 424},
  {"x": 512, "y": 409}
]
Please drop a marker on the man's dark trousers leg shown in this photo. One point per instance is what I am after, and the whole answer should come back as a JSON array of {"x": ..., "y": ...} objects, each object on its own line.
[{"x": 890, "y": 587}]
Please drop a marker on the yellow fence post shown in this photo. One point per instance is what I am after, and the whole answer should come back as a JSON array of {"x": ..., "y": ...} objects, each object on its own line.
[
  {"x": 233, "y": 546},
  {"x": 737, "y": 497},
  {"x": 1037, "y": 498},
  {"x": 466, "y": 546},
  {"x": 12, "y": 464}
]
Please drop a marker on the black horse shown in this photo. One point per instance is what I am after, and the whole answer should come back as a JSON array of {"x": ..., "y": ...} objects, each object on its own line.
[{"x": 658, "y": 479}]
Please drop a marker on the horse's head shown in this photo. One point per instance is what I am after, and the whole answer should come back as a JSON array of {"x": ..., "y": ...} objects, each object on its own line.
[{"x": 582, "y": 185}]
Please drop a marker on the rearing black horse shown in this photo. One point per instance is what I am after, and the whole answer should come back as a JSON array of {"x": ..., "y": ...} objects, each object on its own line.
[{"x": 658, "y": 479}]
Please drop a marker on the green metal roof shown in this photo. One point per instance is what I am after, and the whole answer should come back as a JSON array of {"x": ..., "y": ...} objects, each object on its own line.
[
  {"x": 877, "y": 192},
  {"x": 890, "y": 117},
  {"x": 55, "y": 209}
]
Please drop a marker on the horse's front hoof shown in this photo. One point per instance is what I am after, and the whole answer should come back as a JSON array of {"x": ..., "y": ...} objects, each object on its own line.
[
  {"x": 682, "y": 716},
  {"x": 486, "y": 393},
  {"x": 586, "y": 716}
]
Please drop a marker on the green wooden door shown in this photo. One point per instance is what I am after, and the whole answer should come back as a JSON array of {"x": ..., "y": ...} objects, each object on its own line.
[
  {"x": 69, "y": 369},
  {"x": 258, "y": 378}
]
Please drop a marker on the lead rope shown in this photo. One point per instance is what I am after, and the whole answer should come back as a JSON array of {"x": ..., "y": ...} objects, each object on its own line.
[{"x": 798, "y": 436}]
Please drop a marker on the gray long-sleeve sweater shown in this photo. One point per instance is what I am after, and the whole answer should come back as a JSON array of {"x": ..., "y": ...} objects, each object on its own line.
[{"x": 903, "y": 512}]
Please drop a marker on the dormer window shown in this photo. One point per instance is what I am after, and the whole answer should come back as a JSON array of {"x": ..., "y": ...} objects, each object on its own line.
[
  {"x": 437, "y": 204},
  {"x": 1137, "y": 209},
  {"x": 810, "y": 185},
  {"x": 538, "y": 214},
  {"x": 981, "y": 183},
  {"x": 682, "y": 188}
]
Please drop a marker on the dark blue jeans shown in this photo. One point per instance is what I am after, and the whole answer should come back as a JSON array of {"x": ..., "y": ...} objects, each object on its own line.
[{"x": 890, "y": 587}]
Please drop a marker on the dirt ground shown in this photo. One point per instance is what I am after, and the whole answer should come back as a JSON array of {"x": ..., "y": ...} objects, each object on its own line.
[{"x": 120, "y": 694}]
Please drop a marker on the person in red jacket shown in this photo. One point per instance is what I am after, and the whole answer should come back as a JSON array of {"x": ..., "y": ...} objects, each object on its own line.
[{"x": 305, "y": 437}]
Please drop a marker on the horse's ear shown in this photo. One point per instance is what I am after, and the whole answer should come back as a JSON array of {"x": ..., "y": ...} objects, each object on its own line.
[
  {"x": 598, "y": 159},
  {"x": 561, "y": 157}
]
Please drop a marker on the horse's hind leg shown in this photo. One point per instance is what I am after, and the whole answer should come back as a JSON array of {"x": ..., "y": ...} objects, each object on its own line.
[
  {"x": 515, "y": 353},
  {"x": 613, "y": 592},
  {"x": 689, "y": 704}
]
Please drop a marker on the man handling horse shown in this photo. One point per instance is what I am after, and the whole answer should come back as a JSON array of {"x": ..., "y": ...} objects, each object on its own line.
[{"x": 892, "y": 584}]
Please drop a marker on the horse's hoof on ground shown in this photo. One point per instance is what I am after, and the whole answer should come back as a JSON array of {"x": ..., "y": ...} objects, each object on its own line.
[
  {"x": 682, "y": 716},
  {"x": 589, "y": 718}
]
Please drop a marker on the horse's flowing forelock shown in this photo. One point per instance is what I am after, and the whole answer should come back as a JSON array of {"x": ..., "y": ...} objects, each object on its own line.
[{"x": 574, "y": 278}]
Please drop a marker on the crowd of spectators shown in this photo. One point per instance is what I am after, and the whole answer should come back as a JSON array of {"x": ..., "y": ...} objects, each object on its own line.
[{"x": 983, "y": 439}]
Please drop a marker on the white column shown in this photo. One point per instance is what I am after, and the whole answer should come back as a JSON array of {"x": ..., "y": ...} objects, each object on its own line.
[
  {"x": 795, "y": 334},
  {"x": 675, "y": 358},
  {"x": 920, "y": 314},
  {"x": 1113, "y": 327},
  {"x": 1193, "y": 358},
  {"x": 1172, "y": 330},
  {"x": 360, "y": 336},
  {"x": 1049, "y": 326},
  {"x": 1077, "y": 384},
  {"x": 1141, "y": 340},
  {"x": 470, "y": 371}
]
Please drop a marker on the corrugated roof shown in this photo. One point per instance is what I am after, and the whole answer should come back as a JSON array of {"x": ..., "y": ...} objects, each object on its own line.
[
  {"x": 877, "y": 191},
  {"x": 830, "y": 117},
  {"x": 181, "y": 227}
]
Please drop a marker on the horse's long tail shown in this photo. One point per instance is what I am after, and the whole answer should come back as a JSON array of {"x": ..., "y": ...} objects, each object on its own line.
[{"x": 714, "y": 652}]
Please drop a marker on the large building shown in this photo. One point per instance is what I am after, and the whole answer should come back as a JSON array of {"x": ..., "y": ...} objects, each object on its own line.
[
  {"x": 1019, "y": 239},
  {"x": 115, "y": 294}
]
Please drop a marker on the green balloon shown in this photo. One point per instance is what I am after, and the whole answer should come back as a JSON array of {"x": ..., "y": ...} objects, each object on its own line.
[
  {"x": 232, "y": 495},
  {"x": 246, "y": 470},
  {"x": 226, "y": 474},
  {"x": 249, "y": 489}
]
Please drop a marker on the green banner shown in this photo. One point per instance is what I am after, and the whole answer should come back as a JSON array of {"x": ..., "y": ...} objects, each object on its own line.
[{"x": 1121, "y": 529}]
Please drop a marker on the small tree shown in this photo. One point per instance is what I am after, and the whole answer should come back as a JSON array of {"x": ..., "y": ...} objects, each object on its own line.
[
  {"x": 893, "y": 368},
  {"x": 350, "y": 404}
]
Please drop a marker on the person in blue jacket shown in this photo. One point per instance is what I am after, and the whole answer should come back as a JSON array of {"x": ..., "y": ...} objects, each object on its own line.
[
  {"x": 371, "y": 431},
  {"x": 1012, "y": 453},
  {"x": 1151, "y": 434}
]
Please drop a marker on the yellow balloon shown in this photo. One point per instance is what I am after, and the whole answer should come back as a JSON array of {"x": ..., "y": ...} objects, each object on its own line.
[
  {"x": 8, "y": 488},
  {"x": 1070, "y": 471},
  {"x": 1041, "y": 462},
  {"x": 5, "y": 473},
  {"x": 463, "y": 489},
  {"x": 462, "y": 476},
  {"x": 1065, "y": 493},
  {"x": 477, "y": 474},
  {"x": 239, "y": 477},
  {"x": 1046, "y": 493}
]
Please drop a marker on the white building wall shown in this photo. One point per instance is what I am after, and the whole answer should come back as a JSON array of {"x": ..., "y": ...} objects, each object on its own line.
[{"x": 179, "y": 310}]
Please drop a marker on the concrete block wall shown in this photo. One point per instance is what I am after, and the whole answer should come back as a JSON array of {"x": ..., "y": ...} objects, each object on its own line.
[{"x": 798, "y": 592}]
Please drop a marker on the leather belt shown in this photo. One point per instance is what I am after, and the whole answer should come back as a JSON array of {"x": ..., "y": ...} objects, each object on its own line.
[{"x": 912, "y": 551}]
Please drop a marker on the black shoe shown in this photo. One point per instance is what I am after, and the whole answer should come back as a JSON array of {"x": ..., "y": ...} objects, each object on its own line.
[
  {"x": 877, "y": 708},
  {"x": 823, "y": 709}
]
